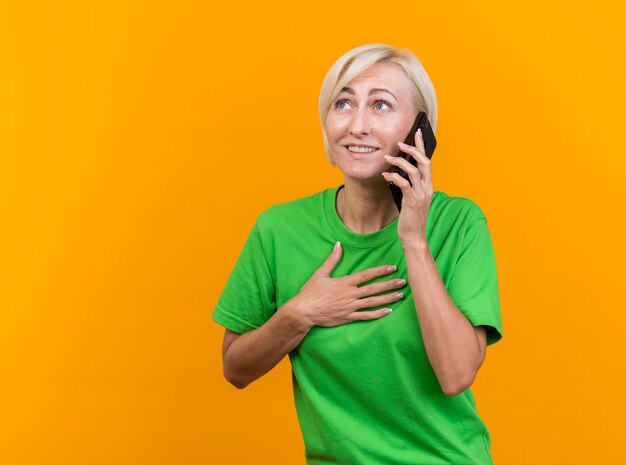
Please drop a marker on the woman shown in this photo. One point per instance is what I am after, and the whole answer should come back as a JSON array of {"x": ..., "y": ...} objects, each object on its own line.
[{"x": 371, "y": 385}]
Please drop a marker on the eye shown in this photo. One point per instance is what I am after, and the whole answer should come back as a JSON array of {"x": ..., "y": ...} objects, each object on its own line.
[
  {"x": 383, "y": 102},
  {"x": 338, "y": 103}
]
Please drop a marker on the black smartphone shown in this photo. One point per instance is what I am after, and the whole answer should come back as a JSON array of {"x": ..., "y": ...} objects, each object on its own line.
[{"x": 421, "y": 122}]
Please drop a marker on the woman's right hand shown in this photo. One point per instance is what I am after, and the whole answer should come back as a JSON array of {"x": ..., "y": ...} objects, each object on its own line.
[{"x": 326, "y": 301}]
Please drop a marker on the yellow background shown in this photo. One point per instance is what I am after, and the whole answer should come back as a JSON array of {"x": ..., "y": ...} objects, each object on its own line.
[{"x": 140, "y": 140}]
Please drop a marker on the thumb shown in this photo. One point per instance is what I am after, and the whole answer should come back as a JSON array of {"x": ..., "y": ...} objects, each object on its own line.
[{"x": 331, "y": 262}]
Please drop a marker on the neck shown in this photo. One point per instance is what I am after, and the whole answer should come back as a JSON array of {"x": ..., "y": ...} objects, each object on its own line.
[{"x": 365, "y": 206}]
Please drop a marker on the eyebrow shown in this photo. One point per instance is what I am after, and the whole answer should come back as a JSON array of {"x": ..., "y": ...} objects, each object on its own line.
[{"x": 349, "y": 90}]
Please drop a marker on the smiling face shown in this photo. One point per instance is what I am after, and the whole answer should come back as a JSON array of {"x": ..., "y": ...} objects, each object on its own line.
[{"x": 367, "y": 120}]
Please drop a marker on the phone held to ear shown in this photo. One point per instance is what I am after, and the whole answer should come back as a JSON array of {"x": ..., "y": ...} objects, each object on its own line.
[{"x": 421, "y": 122}]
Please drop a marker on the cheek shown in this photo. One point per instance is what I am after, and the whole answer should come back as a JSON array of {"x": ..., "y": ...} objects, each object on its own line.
[
  {"x": 390, "y": 134},
  {"x": 397, "y": 132},
  {"x": 335, "y": 126}
]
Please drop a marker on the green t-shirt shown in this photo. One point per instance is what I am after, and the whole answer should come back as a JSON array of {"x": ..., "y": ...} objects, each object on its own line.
[{"x": 365, "y": 392}]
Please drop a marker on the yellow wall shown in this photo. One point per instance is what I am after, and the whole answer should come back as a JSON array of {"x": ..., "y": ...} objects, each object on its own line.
[{"x": 139, "y": 142}]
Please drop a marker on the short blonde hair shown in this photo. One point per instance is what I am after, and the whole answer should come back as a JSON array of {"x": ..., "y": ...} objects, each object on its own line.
[{"x": 357, "y": 60}]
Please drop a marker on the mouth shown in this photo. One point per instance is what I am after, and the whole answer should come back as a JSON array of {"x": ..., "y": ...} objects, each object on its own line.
[{"x": 361, "y": 150}]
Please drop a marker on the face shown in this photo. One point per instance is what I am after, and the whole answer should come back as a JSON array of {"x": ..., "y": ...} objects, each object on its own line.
[{"x": 373, "y": 112}]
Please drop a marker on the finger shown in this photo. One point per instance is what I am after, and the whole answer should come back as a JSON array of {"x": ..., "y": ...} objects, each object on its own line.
[
  {"x": 416, "y": 151},
  {"x": 419, "y": 153},
  {"x": 385, "y": 299},
  {"x": 407, "y": 190},
  {"x": 331, "y": 262},
  {"x": 377, "y": 288},
  {"x": 412, "y": 172},
  {"x": 369, "y": 315},
  {"x": 427, "y": 168},
  {"x": 369, "y": 274},
  {"x": 419, "y": 141}
]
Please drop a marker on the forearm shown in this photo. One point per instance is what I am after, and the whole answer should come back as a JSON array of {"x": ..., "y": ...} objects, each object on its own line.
[
  {"x": 449, "y": 338},
  {"x": 256, "y": 352}
]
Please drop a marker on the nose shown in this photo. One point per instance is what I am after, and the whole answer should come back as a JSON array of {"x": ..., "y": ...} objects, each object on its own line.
[{"x": 360, "y": 123}]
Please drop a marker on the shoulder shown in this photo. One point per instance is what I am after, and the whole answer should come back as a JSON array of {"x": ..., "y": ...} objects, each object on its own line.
[
  {"x": 291, "y": 211},
  {"x": 454, "y": 208}
]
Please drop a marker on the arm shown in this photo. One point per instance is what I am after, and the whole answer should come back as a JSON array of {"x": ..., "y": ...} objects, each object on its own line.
[
  {"x": 246, "y": 357},
  {"x": 322, "y": 301},
  {"x": 455, "y": 348}
]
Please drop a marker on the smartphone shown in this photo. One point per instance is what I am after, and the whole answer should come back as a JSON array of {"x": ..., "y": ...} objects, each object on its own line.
[{"x": 421, "y": 122}]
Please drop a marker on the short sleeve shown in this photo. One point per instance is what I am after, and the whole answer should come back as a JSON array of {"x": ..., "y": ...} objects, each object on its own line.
[
  {"x": 249, "y": 296},
  {"x": 474, "y": 283}
]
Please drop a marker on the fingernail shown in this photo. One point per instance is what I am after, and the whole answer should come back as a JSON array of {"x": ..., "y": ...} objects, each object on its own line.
[
  {"x": 388, "y": 311},
  {"x": 388, "y": 156},
  {"x": 401, "y": 143},
  {"x": 337, "y": 245},
  {"x": 419, "y": 131},
  {"x": 392, "y": 268}
]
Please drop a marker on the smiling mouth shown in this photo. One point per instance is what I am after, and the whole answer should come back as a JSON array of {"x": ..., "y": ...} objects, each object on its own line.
[{"x": 360, "y": 150}]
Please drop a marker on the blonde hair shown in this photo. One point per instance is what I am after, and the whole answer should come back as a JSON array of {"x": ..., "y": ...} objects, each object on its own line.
[{"x": 357, "y": 60}]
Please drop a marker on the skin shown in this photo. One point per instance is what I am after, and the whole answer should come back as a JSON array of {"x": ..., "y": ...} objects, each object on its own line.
[
  {"x": 379, "y": 120},
  {"x": 456, "y": 349}
]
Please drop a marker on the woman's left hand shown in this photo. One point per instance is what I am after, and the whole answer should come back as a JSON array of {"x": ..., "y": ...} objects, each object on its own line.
[{"x": 417, "y": 195}]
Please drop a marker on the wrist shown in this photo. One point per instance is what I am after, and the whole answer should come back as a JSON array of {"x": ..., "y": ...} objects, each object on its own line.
[
  {"x": 416, "y": 244},
  {"x": 297, "y": 316}
]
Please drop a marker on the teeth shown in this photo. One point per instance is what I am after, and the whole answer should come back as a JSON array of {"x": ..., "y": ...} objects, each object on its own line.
[{"x": 354, "y": 148}]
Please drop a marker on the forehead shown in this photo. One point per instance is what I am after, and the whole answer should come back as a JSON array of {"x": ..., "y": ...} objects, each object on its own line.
[{"x": 385, "y": 75}]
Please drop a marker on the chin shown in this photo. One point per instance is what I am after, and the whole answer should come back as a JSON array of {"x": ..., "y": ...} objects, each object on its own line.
[{"x": 365, "y": 173}]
